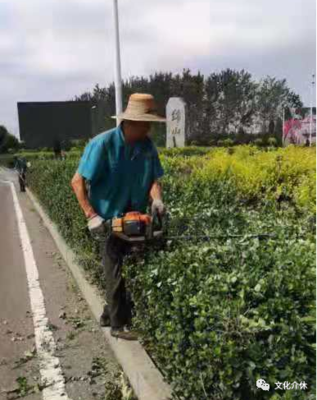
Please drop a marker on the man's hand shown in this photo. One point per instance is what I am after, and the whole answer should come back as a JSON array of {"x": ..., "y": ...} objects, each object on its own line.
[
  {"x": 96, "y": 225},
  {"x": 157, "y": 206},
  {"x": 95, "y": 222}
]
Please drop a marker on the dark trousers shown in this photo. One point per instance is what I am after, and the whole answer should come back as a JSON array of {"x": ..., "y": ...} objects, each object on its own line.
[
  {"x": 119, "y": 304},
  {"x": 22, "y": 182}
]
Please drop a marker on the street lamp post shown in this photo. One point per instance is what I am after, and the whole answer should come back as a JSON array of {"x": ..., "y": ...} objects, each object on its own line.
[
  {"x": 117, "y": 74},
  {"x": 311, "y": 110}
]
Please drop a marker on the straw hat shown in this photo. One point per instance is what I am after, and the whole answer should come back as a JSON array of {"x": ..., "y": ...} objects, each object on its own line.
[{"x": 141, "y": 107}]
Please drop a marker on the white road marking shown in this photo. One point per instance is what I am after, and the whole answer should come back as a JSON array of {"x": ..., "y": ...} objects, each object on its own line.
[{"x": 50, "y": 368}]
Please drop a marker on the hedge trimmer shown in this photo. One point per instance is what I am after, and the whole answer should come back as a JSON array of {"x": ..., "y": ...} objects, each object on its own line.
[{"x": 135, "y": 227}]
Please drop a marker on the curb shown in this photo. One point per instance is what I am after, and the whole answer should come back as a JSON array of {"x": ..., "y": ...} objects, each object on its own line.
[{"x": 145, "y": 379}]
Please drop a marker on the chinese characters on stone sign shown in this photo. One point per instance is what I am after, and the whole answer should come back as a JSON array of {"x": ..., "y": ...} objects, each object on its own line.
[
  {"x": 176, "y": 131},
  {"x": 175, "y": 115}
]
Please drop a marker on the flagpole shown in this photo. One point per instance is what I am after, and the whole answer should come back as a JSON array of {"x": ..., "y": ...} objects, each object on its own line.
[{"x": 117, "y": 74}]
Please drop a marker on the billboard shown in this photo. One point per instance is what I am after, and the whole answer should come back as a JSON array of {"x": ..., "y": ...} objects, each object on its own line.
[
  {"x": 42, "y": 124},
  {"x": 299, "y": 126}
]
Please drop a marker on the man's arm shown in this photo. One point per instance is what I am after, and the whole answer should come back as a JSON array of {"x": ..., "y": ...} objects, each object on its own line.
[
  {"x": 156, "y": 198},
  {"x": 79, "y": 187},
  {"x": 156, "y": 191}
]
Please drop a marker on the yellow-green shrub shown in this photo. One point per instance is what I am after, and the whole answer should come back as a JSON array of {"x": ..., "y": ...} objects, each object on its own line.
[{"x": 283, "y": 174}]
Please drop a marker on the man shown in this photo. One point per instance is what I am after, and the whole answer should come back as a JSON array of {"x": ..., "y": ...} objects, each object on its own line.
[
  {"x": 20, "y": 165},
  {"x": 123, "y": 169}
]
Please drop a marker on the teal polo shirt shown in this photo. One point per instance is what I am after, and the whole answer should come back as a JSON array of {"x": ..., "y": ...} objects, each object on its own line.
[{"x": 120, "y": 175}]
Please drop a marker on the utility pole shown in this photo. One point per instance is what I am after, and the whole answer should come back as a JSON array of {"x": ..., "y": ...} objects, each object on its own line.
[
  {"x": 117, "y": 72},
  {"x": 311, "y": 109}
]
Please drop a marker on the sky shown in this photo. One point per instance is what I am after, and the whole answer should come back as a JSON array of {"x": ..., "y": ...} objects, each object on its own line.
[{"x": 56, "y": 49}]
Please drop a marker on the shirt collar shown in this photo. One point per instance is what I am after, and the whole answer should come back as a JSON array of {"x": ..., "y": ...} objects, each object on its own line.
[{"x": 121, "y": 137}]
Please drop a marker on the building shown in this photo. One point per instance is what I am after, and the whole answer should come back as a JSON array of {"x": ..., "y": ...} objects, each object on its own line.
[{"x": 46, "y": 124}]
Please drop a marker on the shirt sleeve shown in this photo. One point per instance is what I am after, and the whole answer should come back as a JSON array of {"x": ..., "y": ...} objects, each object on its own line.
[
  {"x": 158, "y": 170},
  {"x": 93, "y": 161}
]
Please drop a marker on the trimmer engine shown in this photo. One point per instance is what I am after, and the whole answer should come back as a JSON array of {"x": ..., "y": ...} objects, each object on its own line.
[{"x": 137, "y": 227}]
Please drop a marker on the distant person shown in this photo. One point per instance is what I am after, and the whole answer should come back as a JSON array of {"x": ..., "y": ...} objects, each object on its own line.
[
  {"x": 57, "y": 148},
  {"x": 20, "y": 165}
]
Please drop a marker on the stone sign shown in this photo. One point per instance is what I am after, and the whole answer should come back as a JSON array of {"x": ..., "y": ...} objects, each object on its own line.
[{"x": 175, "y": 116}]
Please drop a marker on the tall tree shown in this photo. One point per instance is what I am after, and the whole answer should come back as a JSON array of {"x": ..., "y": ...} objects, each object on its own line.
[
  {"x": 273, "y": 96},
  {"x": 7, "y": 140},
  {"x": 230, "y": 101}
]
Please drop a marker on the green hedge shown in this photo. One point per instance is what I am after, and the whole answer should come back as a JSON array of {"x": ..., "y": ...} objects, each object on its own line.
[
  {"x": 31, "y": 155},
  {"x": 7, "y": 159},
  {"x": 217, "y": 315},
  {"x": 221, "y": 314}
]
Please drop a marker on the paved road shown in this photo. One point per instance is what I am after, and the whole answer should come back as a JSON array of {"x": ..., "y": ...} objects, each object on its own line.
[{"x": 46, "y": 329}]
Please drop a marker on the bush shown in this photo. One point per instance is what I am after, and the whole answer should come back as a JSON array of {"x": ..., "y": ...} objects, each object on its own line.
[
  {"x": 50, "y": 181},
  {"x": 220, "y": 143},
  {"x": 258, "y": 142},
  {"x": 78, "y": 143},
  {"x": 6, "y": 160},
  {"x": 222, "y": 315},
  {"x": 272, "y": 141},
  {"x": 228, "y": 143},
  {"x": 217, "y": 315},
  {"x": 185, "y": 151}
]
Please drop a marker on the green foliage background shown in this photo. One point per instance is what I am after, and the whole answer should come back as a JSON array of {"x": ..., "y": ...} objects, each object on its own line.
[
  {"x": 217, "y": 315},
  {"x": 7, "y": 140},
  {"x": 221, "y": 105}
]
